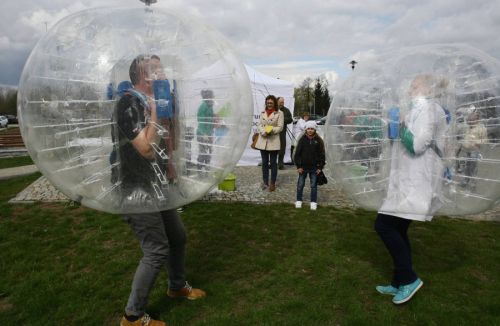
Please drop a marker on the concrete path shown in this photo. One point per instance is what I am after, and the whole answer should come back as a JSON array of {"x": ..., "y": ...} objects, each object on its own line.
[
  {"x": 17, "y": 171},
  {"x": 248, "y": 189},
  {"x": 248, "y": 182}
]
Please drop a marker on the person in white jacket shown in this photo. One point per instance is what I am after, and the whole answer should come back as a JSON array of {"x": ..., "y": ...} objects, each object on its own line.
[
  {"x": 476, "y": 135},
  {"x": 415, "y": 179},
  {"x": 298, "y": 130}
]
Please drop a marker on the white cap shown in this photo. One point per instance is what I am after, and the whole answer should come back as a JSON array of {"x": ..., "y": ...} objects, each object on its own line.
[{"x": 311, "y": 124}]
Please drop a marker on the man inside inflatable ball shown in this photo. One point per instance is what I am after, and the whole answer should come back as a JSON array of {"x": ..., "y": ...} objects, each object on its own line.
[{"x": 161, "y": 234}]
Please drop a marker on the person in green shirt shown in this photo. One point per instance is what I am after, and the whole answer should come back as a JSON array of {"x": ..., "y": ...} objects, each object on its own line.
[{"x": 205, "y": 131}]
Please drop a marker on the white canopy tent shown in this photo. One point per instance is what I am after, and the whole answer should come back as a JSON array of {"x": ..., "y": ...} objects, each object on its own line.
[
  {"x": 262, "y": 86},
  {"x": 215, "y": 77}
]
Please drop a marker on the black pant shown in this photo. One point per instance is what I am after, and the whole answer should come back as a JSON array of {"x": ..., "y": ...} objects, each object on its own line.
[
  {"x": 269, "y": 158},
  {"x": 281, "y": 155},
  {"x": 394, "y": 233}
]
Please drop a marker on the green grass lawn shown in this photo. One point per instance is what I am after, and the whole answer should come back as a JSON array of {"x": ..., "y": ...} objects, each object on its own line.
[
  {"x": 63, "y": 264},
  {"x": 10, "y": 162}
]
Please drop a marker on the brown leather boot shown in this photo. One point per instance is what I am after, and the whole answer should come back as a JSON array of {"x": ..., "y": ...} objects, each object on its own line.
[
  {"x": 272, "y": 187},
  {"x": 187, "y": 292},
  {"x": 145, "y": 320}
]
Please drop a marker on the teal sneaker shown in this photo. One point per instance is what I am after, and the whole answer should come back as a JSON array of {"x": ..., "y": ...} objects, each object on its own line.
[
  {"x": 405, "y": 292},
  {"x": 387, "y": 289}
]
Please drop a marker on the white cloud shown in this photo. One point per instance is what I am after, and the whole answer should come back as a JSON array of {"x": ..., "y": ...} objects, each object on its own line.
[
  {"x": 300, "y": 39},
  {"x": 332, "y": 77},
  {"x": 293, "y": 64},
  {"x": 4, "y": 43},
  {"x": 361, "y": 56},
  {"x": 41, "y": 20},
  {"x": 297, "y": 71}
]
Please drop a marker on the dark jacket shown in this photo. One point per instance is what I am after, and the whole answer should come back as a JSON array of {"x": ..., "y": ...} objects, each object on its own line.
[
  {"x": 310, "y": 153},
  {"x": 287, "y": 119}
]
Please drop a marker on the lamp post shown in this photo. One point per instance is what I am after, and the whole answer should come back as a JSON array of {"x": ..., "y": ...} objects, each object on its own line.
[
  {"x": 312, "y": 105},
  {"x": 148, "y": 2},
  {"x": 353, "y": 64}
]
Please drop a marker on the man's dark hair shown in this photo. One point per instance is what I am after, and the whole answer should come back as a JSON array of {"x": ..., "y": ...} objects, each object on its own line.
[
  {"x": 207, "y": 94},
  {"x": 134, "y": 71}
]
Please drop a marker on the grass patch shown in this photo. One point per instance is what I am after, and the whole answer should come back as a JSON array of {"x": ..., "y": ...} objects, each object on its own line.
[
  {"x": 10, "y": 162},
  {"x": 260, "y": 264}
]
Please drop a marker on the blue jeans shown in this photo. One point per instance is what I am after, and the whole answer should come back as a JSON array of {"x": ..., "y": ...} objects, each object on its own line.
[
  {"x": 269, "y": 157},
  {"x": 314, "y": 185},
  {"x": 162, "y": 238}
]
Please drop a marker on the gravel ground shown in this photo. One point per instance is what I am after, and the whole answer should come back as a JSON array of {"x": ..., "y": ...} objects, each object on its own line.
[{"x": 248, "y": 189}]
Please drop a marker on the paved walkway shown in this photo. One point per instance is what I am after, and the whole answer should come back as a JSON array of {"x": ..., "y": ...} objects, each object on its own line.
[
  {"x": 17, "y": 171},
  {"x": 248, "y": 181},
  {"x": 13, "y": 151}
]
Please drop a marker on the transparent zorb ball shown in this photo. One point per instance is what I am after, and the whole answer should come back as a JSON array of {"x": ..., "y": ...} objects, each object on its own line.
[
  {"x": 79, "y": 72},
  {"x": 447, "y": 93}
]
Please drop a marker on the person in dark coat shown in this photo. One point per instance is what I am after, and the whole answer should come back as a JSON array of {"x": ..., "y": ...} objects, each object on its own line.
[
  {"x": 287, "y": 120},
  {"x": 310, "y": 160}
]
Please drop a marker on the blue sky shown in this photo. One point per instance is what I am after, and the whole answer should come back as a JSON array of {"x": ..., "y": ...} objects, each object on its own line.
[{"x": 288, "y": 39}]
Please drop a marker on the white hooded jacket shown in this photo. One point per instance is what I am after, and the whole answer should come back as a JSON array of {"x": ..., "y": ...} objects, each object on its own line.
[
  {"x": 299, "y": 128},
  {"x": 415, "y": 180}
]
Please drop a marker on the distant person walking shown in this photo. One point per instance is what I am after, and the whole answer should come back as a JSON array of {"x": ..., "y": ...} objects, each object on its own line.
[
  {"x": 287, "y": 119},
  {"x": 475, "y": 135},
  {"x": 205, "y": 132},
  {"x": 270, "y": 125}
]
